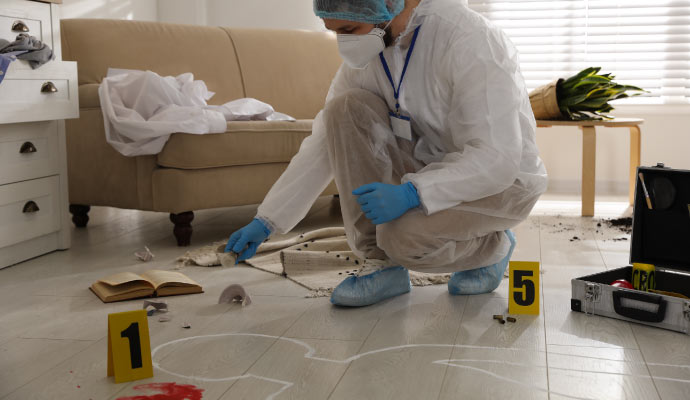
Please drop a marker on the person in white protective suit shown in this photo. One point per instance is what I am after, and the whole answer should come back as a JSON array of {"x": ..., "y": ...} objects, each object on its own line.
[{"x": 430, "y": 137}]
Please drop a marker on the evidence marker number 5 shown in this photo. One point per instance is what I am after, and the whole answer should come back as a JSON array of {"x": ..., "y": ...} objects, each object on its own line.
[{"x": 523, "y": 293}]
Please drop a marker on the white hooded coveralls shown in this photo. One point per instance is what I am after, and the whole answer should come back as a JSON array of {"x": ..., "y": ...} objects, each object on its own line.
[{"x": 471, "y": 115}]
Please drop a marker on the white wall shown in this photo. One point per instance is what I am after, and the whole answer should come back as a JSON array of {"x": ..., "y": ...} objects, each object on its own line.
[
  {"x": 278, "y": 14},
  {"x": 145, "y": 10},
  {"x": 665, "y": 138},
  {"x": 183, "y": 11}
]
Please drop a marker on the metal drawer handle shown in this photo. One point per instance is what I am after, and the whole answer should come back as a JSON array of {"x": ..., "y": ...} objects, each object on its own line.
[
  {"x": 19, "y": 26},
  {"x": 48, "y": 87},
  {"x": 27, "y": 148},
  {"x": 30, "y": 207}
]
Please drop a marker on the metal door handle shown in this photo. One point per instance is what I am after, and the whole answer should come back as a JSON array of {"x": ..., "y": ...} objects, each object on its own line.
[
  {"x": 27, "y": 148},
  {"x": 30, "y": 207},
  {"x": 19, "y": 26},
  {"x": 48, "y": 87}
]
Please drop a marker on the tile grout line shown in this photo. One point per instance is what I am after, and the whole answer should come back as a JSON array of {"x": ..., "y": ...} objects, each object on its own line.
[
  {"x": 55, "y": 366},
  {"x": 149, "y": 226},
  {"x": 265, "y": 351},
  {"x": 543, "y": 305},
  {"x": 649, "y": 371},
  {"x": 597, "y": 347},
  {"x": 359, "y": 351},
  {"x": 455, "y": 341},
  {"x": 130, "y": 384},
  {"x": 596, "y": 243},
  {"x": 57, "y": 339}
]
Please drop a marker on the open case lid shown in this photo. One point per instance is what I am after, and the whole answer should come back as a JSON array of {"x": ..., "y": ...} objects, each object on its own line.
[{"x": 661, "y": 235}]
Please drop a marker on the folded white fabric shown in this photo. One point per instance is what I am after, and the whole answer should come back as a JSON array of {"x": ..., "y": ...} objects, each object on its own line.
[{"x": 141, "y": 109}]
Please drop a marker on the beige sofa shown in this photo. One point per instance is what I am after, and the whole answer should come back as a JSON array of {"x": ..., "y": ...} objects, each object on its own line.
[{"x": 290, "y": 70}]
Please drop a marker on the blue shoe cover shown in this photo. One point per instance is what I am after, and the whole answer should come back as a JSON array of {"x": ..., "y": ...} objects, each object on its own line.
[
  {"x": 481, "y": 280},
  {"x": 358, "y": 291}
]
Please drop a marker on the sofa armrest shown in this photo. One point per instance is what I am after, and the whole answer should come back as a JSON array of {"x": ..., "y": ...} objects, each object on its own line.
[
  {"x": 88, "y": 96},
  {"x": 98, "y": 174}
]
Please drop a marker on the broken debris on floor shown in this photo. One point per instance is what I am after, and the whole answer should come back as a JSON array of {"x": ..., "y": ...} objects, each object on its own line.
[
  {"x": 153, "y": 307},
  {"x": 235, "y": 294},
  {"x": 144, "y": 255}
]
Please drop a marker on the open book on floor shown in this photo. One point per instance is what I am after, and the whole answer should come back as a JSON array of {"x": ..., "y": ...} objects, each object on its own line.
[{"x": 154, "y": 283}]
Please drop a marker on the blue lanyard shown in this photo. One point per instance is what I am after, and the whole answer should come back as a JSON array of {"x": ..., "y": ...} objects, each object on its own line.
[{"x": 396, "y": 92}]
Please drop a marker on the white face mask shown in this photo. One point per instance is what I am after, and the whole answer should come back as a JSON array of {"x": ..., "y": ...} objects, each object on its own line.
[{"x": 358, "y": 50}]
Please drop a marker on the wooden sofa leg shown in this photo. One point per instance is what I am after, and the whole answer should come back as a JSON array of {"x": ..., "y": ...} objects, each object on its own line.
[
  {"x": 80, "y": 214},
  {"x": 183, "y": 227}
]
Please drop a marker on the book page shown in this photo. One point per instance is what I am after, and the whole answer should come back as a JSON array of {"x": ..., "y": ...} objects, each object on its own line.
[
  {"x": 124, "y": 277},
  {"x": 175, "y": 290},
  {"x": 129, "y": 290},
  {"x": 168, "y": 278}
]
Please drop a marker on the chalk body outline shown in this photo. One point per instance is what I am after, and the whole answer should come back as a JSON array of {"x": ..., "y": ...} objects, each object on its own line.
[{"x": 310, "y": 351}]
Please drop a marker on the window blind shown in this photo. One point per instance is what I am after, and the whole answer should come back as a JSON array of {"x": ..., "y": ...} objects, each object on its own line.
[{"x": 643, "y": 43}]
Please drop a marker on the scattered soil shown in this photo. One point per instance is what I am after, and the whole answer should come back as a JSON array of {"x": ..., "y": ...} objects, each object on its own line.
[
  {"x": 623, "y": 224},
  {"x": 605, "y": 229}
]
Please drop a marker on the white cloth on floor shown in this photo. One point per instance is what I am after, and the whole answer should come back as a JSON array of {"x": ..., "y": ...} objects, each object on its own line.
[{"x": 141, "y": 109}]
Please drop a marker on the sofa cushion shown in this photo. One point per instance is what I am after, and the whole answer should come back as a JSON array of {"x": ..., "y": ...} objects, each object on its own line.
[
  {"x": 178, "y": 190},
  {"x": 244, "y": 143}
]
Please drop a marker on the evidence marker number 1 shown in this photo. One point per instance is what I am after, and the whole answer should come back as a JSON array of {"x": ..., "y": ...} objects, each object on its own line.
[
  {"x": 129, "y": 346},
  {"x": 523, "y": 292}
]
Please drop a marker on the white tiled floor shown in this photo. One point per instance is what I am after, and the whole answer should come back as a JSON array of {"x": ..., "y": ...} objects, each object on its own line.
[{"x": 423, "y": 345}]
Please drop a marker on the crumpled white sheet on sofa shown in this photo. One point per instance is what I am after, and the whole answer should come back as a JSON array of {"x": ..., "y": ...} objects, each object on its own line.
[{"x": 141, "y": 109}]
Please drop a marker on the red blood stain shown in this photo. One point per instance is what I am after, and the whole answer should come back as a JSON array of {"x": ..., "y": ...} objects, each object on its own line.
[
  {"x": 78, "y": 387},
  {"x": 168, "y": 391}
]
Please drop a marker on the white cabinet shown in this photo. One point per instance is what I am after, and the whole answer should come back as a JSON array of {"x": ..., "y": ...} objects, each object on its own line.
[
  {"x": 47, "y": 93},
  {"x": 30, "y": 17},
  {"x": 34, "y": 210}
]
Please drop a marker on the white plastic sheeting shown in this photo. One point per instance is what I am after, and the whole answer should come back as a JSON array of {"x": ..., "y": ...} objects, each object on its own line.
[{"x": 141, "y": 109}]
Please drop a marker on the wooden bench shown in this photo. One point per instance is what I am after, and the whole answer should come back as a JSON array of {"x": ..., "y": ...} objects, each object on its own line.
[{"x": 589, "y": 154}]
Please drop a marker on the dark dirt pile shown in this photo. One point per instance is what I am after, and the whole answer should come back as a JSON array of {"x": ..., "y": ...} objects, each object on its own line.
[{"x": 622, "y": 224}]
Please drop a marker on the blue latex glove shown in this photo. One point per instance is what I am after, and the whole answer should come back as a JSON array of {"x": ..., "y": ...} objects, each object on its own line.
[
  {"x": 246, "y": 240},
  {"x": 381, "y": 202}
]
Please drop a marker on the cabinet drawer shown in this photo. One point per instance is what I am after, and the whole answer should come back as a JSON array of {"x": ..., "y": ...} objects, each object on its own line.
[
  {"x": 28, "y": 151},
  {"x": 21, "y": 16},
  {"x": 29, "y": 209},
  {"x": 49, "y": 92}
]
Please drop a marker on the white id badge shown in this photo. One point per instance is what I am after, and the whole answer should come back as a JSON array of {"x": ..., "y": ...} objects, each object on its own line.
[{"x": 401, "y": 125}]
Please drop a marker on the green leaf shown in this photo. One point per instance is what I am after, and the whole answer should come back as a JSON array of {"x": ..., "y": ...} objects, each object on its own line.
[
  {"x": 622, "y": 96},
  {"x": 573, "y": 100},
  {"x": 580, "y": 75},
  {"x": 594, "y": 103},
  {"x": 588, "y": 93},
  {"x": 599, "y": 92},
  {"x": 593, "y": 79},
  {"x": 584, "y": 89}
]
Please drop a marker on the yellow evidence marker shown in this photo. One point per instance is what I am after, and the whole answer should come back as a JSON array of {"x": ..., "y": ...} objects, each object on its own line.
[
  {"x": 523, "y": 294},
  {"x": 129, "y": 347}
]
